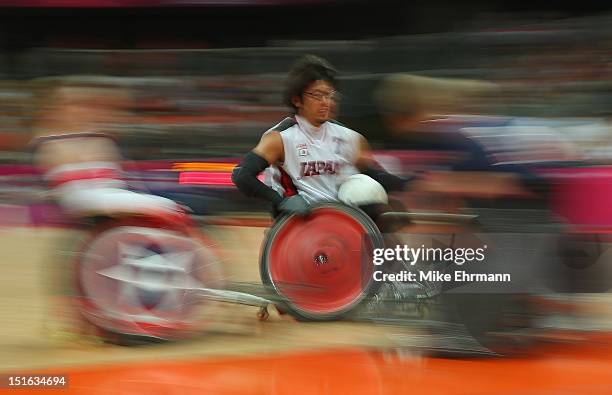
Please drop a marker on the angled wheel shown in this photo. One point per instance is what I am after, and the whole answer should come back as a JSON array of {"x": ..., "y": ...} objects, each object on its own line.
[
  {"x": 321, "y": 265},
  {"x": 138, "y": 278}
]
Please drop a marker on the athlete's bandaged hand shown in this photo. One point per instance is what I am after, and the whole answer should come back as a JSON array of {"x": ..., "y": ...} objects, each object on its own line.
[{"x": 294, "y": 205}]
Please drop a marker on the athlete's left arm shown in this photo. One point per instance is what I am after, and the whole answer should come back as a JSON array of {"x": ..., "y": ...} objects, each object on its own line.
[{"x": 366, "y": 163}]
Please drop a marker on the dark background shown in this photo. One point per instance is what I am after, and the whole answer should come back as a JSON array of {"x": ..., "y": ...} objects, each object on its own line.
[{"x": 214, "y": 26}]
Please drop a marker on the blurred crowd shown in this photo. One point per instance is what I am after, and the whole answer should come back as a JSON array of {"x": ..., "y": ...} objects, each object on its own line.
[
  {"x": 217, "y": 102},
  {"x": 525, "y": 92}
]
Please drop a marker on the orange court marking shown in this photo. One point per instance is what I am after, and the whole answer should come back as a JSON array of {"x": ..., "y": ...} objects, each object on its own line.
[{"x": 575, "y": 368}]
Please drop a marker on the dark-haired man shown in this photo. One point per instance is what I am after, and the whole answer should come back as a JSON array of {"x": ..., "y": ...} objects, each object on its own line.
[{"x": 308, "y": 154}]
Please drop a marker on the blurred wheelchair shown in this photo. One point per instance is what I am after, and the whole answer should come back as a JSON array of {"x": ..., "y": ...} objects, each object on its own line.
[
  {"x": 143, "y": 269},
  {"x": 321, "y": 265},
  {"x": 146, "y": 272},
  {"x": 322, "y": 268}
]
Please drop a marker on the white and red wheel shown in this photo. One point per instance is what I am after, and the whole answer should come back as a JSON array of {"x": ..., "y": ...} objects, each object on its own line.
[
  {"x": 321, "y": 265},
  {"x": 139, "y": 277}
]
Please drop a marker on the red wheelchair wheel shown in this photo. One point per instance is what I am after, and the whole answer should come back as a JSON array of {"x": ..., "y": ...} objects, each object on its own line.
[
  {"x": 321, "y": 265},
  {"x": 138, "y": 278}
]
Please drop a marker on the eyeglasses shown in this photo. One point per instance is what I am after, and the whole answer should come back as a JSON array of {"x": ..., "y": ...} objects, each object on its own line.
[{"x": 320, "y": 96}]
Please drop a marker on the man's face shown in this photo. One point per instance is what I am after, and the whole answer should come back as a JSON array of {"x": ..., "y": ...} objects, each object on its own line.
[{"x": 318, "y": 103}]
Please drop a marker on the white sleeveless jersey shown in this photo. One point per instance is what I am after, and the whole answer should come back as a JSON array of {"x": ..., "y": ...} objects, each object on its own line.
[{"x": 317, "y": 160}]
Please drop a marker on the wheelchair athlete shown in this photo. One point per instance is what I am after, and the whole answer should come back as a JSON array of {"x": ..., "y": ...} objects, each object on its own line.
[{"x": 308, "y": 155}]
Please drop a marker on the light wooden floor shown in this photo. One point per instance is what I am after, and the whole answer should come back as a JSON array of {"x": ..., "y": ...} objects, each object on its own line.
[{"x": 28, "y": 339}]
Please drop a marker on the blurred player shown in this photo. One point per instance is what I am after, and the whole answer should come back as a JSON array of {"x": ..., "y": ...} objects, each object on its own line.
[
  {"x": 77, "y": 153},
  {"x": 308, "y": 154},
  {"x": 494, "y": 154}
]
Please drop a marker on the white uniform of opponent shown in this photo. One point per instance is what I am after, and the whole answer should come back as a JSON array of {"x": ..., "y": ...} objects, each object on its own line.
[{"x": 317, "y": 160}]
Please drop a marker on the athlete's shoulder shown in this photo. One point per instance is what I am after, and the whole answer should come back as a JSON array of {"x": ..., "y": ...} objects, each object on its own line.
[
  {"x": 337, "y": 123},
  {"x": 342, "y": 128},
  {"x": 283, "y": 125}
]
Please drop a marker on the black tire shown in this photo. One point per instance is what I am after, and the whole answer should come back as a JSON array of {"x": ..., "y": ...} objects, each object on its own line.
[
  {"x": 286, "y": 304},
  {"x": 584, "y": 266},
  {"x": 501, "y": 323}
]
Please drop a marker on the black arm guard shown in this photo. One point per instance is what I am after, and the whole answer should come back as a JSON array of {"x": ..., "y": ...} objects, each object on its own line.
[
  {"x": 245, "y": 178},
  {"x": 389, "y": 181}
]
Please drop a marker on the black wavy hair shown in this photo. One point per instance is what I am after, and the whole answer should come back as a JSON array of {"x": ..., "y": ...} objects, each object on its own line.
[{"x": 304, "y": 72}]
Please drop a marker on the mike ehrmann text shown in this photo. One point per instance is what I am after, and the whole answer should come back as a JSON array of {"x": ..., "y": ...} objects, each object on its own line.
[{"x": 437, "y": 276}]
